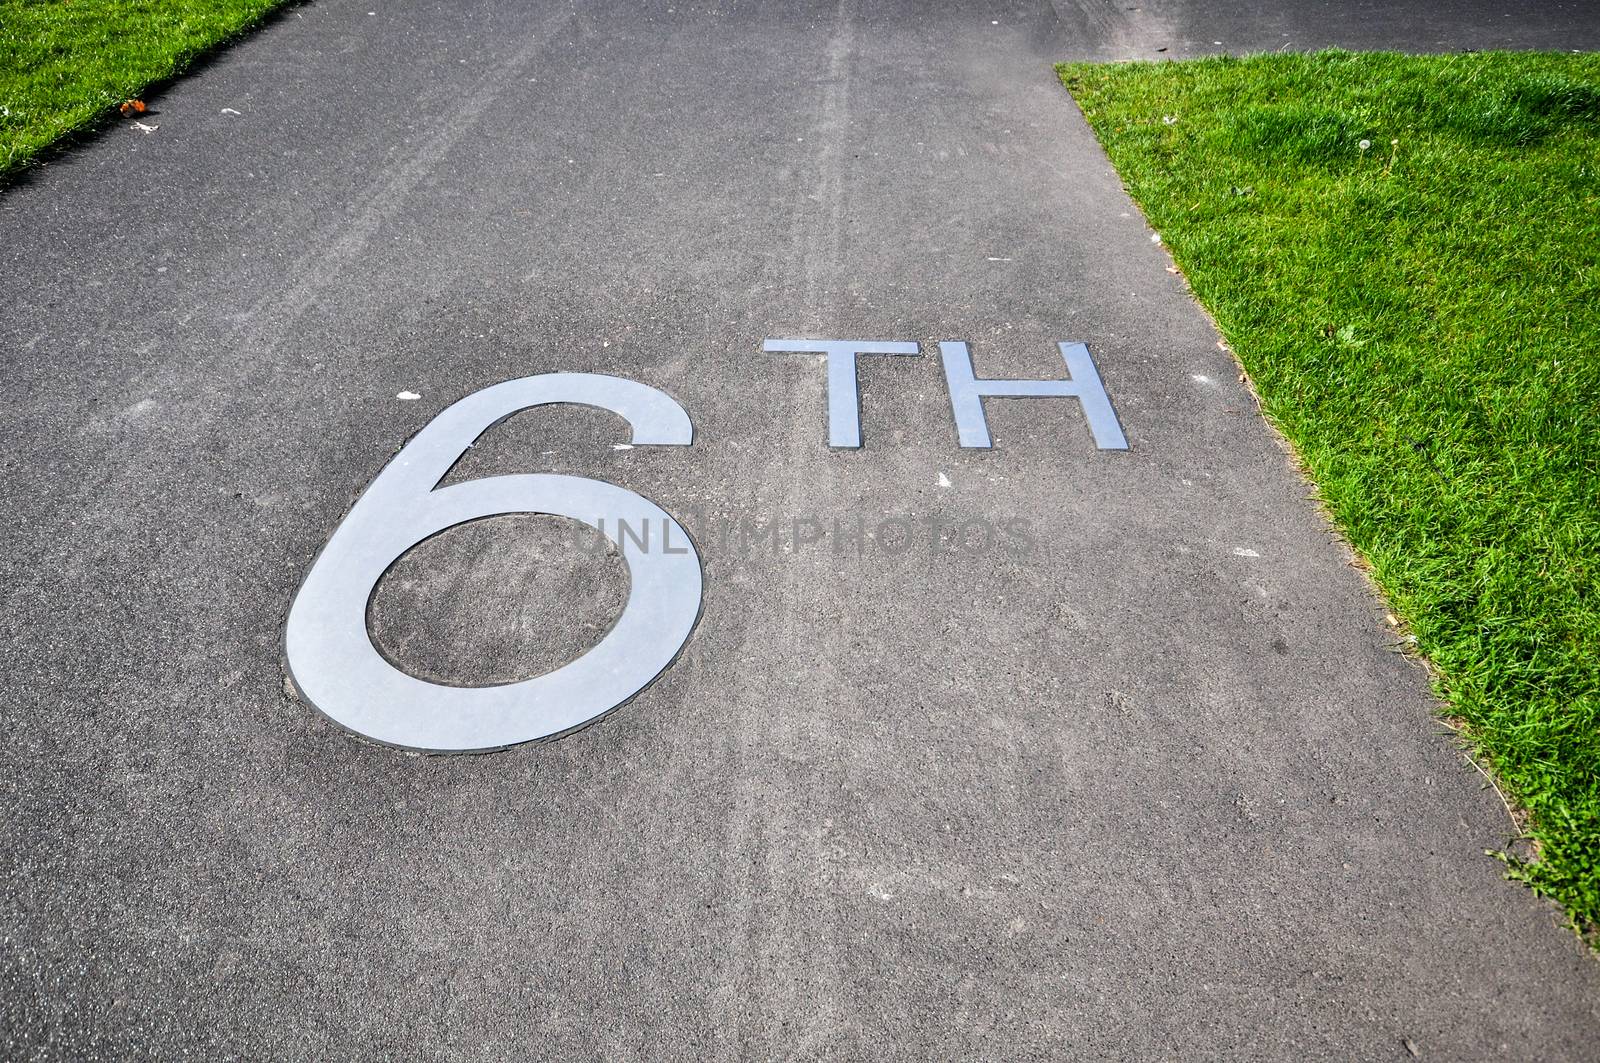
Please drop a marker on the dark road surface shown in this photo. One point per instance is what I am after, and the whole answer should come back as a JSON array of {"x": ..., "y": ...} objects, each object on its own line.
[{"x": 1149, "y": 780}]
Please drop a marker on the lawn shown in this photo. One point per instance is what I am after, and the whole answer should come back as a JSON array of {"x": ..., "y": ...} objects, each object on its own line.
[
  {"x": 1404, "y": 253},
  {"x": 66, "y": 63}
]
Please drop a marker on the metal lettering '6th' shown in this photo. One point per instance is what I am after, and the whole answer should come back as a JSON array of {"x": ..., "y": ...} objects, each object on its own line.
[{"x": 330, "y": 653}]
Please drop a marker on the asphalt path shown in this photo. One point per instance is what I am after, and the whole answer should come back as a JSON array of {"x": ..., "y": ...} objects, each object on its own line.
[{"x": 1132, "y": 766}]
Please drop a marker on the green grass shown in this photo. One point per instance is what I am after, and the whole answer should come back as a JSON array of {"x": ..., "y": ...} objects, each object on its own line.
[
  {"x": 1421, "y": 317},
  {"x": 65, "y": 63}
]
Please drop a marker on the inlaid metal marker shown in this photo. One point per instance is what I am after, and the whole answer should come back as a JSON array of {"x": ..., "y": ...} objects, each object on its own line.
[
  {"x": 330, "y": 653},
  {"x": 844, "y": 398},
  {"x": 967, "y": 393}
]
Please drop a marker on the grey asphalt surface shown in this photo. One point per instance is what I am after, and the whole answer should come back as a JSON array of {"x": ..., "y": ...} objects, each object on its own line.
[{"x": 1160, "y": 787}]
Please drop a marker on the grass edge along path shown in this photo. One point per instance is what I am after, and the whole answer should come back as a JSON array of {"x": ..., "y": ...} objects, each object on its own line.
[
  {"x": 1404, "y": 254},
  {"x": 65, "y": 65}
]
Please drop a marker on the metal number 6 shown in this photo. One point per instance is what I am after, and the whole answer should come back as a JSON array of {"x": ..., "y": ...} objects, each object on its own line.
[{"x": 330, "y": 653}]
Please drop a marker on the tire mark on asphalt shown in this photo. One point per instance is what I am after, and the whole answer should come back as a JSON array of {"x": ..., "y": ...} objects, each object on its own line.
[
  {"x": 1112, "y": 30},
  {"x": 247, "y": 351},
  {"x": 274, "y": 314},
  {"x": 797, "y": 978}
]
